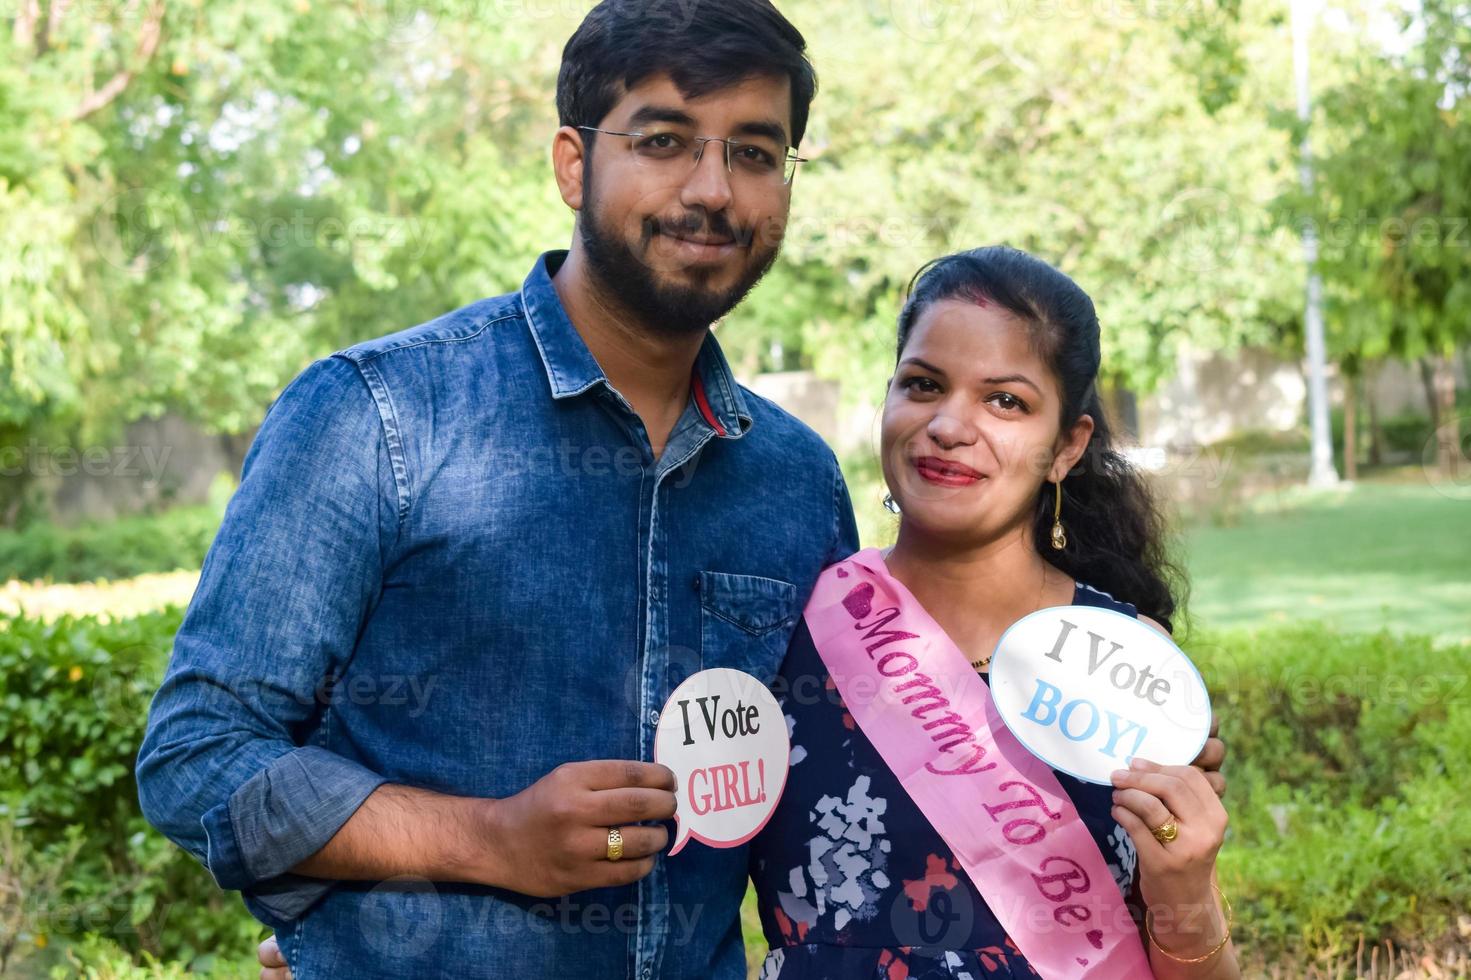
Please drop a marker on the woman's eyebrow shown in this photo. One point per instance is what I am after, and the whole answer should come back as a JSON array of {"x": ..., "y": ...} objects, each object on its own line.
[
  {"x": 926, "y": 365},
  {"x": 1014, "y": 379}
]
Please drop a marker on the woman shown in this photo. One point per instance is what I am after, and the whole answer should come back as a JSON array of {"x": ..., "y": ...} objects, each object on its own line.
[
  {"x": 1011, "y": 499},
  {"x": 991, "y": 409}
]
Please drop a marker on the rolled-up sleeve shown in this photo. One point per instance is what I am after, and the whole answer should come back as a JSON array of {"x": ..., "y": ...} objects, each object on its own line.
[{"x": 226, "y": 769}]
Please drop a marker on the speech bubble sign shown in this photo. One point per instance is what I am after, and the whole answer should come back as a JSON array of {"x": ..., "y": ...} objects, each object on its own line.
[
  {"x": 1085, "y": 689},
  {"x": 723, "y": 735}
]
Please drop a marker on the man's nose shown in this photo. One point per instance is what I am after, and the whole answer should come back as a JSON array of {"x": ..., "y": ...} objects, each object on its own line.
[{"x": 708, "y": 185}]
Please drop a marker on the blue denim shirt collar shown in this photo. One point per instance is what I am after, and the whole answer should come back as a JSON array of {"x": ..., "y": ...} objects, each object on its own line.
[{"x": 571, "y": 368}]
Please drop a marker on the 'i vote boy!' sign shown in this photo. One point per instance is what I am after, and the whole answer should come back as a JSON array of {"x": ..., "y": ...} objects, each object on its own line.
[{"x": 1086, "y": 689}]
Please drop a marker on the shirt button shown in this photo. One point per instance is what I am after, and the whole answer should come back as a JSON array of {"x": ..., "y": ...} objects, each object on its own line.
[{"x": 653, "y": 718}]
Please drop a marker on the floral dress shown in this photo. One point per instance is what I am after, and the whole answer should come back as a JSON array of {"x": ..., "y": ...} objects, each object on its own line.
[{"x": 851, "y": 879}]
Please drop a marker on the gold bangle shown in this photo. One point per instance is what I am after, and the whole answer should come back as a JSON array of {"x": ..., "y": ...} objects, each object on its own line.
[{"x": 1230, "y": 919}]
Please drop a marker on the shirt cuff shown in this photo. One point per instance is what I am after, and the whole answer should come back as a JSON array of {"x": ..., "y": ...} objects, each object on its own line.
[{"x": 280, "y": 817}]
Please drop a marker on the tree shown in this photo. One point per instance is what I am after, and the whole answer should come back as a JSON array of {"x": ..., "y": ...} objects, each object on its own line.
[{"x": 1394, "y": 197}]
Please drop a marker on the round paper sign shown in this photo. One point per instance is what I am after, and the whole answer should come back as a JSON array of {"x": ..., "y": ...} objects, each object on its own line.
[
  {"x": 724, "y": 736},
  {"x": 1086, "y": 689}
]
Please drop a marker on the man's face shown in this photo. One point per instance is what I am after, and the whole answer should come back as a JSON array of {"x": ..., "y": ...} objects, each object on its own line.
[{"x": 680, "y": 243}]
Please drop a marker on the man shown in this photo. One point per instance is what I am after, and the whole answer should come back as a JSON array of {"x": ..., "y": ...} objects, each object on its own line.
[
  {"x": 467, "y": 563},
  {"x": 419, "y": 681}
]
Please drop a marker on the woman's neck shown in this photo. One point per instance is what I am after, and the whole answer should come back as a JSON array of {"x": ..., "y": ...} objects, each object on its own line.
[{"x": 975, "y": 590}]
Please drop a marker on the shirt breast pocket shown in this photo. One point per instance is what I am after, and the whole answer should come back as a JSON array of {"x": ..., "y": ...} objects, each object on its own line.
[{"x": 745, "y": 622}]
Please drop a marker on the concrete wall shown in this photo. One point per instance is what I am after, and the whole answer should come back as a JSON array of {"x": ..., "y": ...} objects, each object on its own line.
[{"x": 170, "y": 461}]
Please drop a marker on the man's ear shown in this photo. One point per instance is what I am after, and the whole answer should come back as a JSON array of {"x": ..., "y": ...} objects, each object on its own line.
[
  {"x": 1073, "y": 444},
  {"x": 568, "y": 158}
]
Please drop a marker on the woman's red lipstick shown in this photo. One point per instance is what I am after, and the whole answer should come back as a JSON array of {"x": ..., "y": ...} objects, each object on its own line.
[{"x": 945, "y": 472}]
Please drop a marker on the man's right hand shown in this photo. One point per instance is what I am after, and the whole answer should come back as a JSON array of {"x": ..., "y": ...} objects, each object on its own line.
[{"x": 551, "y": 839}]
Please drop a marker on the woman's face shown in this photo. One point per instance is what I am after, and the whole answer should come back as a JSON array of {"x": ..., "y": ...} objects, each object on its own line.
[{"x": 971, "y": 424}]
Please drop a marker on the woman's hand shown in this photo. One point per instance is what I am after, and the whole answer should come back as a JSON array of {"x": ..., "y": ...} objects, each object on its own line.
[
  {"x": 1211, "y": 756},
  {"x": 272, "y": 963},
  {"x": 1146, "y": 796}
]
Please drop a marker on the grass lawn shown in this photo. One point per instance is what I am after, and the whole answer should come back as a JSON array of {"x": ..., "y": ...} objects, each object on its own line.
[{"x": 1390, "y": 554}]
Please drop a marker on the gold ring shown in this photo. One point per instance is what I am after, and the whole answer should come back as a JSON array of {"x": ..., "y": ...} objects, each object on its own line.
[
  {"x": 615, "y": 844},
  {"x": 1166, "y": 831}
]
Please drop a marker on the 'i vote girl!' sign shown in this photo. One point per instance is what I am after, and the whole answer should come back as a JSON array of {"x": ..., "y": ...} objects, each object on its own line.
[
  {"x": 725, "y": 738},
  {"x": 1086, "y": 689}
]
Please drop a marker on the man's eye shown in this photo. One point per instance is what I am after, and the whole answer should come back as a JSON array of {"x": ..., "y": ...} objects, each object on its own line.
[
  {"x": 755, "y": 157},
  {"x": 657, "y": 144}
]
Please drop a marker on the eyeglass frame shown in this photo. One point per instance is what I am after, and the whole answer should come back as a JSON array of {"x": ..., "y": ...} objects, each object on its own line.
[{"x": 790, "y": 157}]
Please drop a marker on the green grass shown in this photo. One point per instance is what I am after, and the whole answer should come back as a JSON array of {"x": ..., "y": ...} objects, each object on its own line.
[{"x": 1373, "y": 556}]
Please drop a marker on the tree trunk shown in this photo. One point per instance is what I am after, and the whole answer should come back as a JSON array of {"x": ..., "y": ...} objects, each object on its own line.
[
  {"x": 1350, "y": 427},
  {"x": 1447, "y": 430},
  {"x": 1376, "y": 432},
  {"x": 1427, "y": 377}
]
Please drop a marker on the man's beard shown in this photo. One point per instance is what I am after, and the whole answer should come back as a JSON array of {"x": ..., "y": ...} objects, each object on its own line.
[{"x": 672, "y": 310}]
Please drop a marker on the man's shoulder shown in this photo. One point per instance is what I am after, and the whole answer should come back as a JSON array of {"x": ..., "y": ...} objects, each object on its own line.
[
  {"x": 780, "y": 428},
  {"x": 457, "y": 326}
]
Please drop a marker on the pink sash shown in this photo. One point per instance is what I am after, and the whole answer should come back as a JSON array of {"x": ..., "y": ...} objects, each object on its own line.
[{"x": 999, "y": 808}]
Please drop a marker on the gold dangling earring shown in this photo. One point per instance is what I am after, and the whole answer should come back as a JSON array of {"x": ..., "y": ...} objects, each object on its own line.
[{"x": 1059, "y": 536}]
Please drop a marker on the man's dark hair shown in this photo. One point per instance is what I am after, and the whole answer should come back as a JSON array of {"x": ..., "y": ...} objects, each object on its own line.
[{"x": 703, "y": 45}]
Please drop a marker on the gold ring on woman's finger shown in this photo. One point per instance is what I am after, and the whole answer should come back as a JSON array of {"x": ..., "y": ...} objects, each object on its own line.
[
  {"x": 615, "y": 844},
  {"x": 1166, "y": 831}
]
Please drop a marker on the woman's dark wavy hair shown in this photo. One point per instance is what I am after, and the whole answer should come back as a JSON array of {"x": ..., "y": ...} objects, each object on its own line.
[{"x": 1115, "y": 528}]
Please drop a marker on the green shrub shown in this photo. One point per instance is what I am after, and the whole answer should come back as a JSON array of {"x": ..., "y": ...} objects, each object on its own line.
[
  {"x": 1407, "y": 433},
  {"x": 96, "y": 958},
  {"x": 1347, "y": 768},
  {"x": 1347, "y": 779},
  {"x": 74, "y": 698},
  {"x": 121, "y": 548}
]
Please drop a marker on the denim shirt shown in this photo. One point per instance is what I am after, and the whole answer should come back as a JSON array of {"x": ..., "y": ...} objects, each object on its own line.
[{"x": 453, "y": 562}]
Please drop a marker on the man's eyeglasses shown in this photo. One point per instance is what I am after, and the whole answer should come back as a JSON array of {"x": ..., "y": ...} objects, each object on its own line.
[{"x": 763, "y": 161}]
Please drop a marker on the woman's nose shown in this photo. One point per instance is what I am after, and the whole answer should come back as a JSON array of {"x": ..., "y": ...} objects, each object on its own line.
[{"x": 949, "y": 432}]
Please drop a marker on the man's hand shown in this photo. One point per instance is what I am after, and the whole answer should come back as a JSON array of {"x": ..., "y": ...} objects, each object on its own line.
[
  {"x": 1212, "y": 754},
  {"x": 272, "y": 963},
  {"x": 551, "y": 839}
]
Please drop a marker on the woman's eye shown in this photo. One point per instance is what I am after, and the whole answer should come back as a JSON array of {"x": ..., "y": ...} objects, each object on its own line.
[
  {"x": 1008, "y": 402},
  {"x": 918, "y": 383}
]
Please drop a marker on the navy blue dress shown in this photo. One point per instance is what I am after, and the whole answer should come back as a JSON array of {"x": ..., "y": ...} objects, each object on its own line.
[{"x": 851, "y": 879}]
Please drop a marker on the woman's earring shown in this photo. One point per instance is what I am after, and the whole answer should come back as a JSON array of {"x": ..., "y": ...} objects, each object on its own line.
[
  {"x": 890, "y": 504},
  {"x": 1059, "y": 536}
]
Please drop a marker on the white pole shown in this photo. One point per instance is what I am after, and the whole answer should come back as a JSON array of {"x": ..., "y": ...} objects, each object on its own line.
[{"x": 1323, "y": 472}]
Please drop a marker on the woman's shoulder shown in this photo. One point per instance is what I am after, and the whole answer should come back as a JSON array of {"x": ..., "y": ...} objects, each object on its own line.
[{"x": 1086, "y": 595}]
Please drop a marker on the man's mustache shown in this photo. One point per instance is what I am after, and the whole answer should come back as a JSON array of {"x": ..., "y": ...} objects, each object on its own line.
[{"x": 699, "y": 224}]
